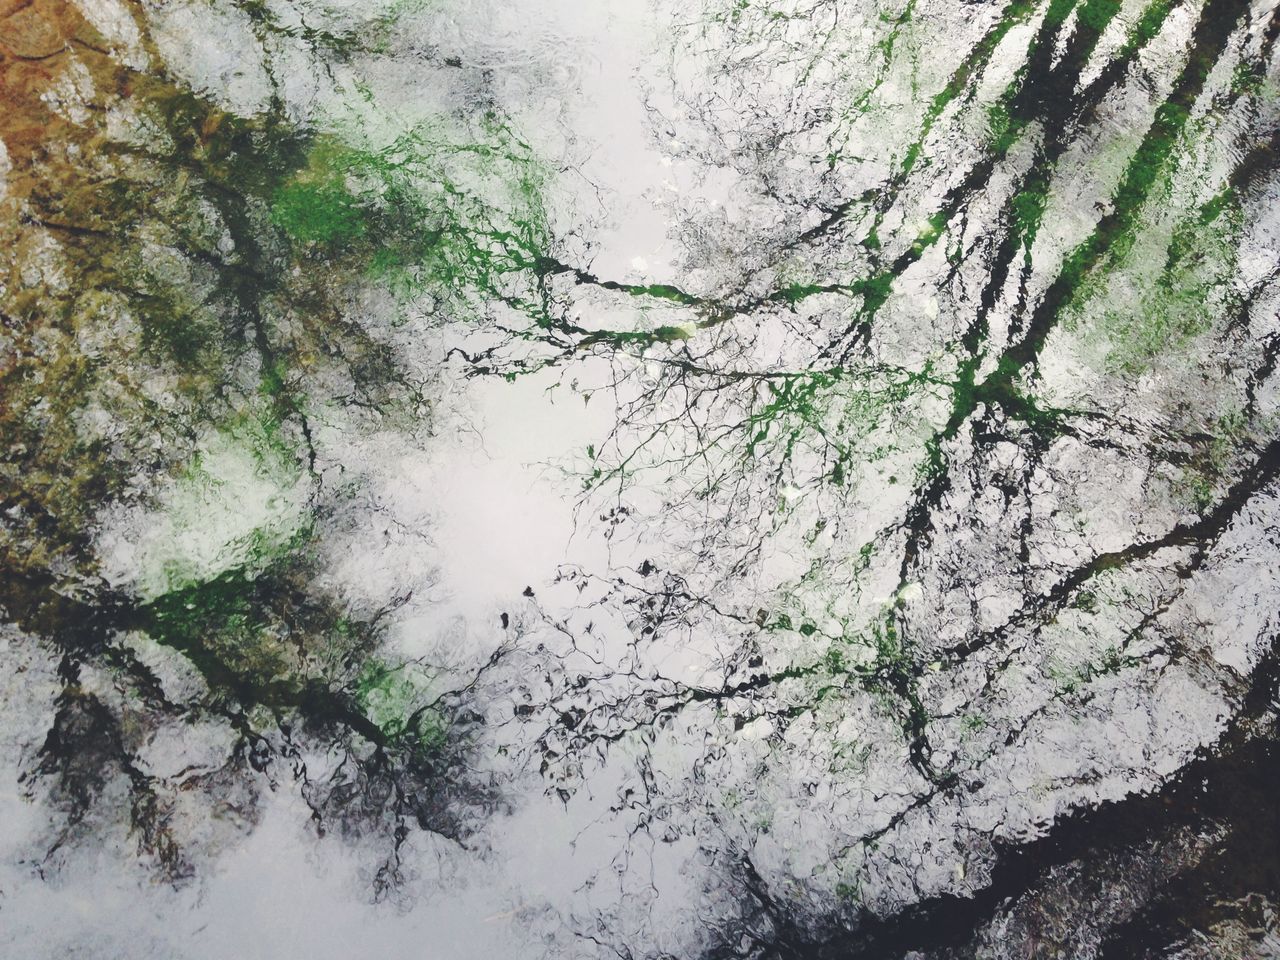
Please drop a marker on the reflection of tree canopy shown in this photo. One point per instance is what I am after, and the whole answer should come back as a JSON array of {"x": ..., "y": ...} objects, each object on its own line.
[
  {"x": 181, "y": 316},
  {"x": 936, "y": 449},
  {"x": 973, "y": 444}
]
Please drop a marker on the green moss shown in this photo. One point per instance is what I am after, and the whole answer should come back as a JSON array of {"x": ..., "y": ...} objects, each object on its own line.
[
  {"x": 849, "y": 892},
  {"x": 1003, "y": 130},
  {"x": 1212, "y": 464},
  {"x": 224, "y": 627},
  {"x": 318, "y": 211},
  {"x": 237, "y": 504},
  {"x": 1107, "y": 662},
  {"x": 428, "y": 214},
  {"x": 1194, "y": 288},
  {"x": 1097, "y": 14},
  {"x": 1028, "y": 208},
  {"x": 1149, "y": 25},
  {"x": 395, "y": 698}
]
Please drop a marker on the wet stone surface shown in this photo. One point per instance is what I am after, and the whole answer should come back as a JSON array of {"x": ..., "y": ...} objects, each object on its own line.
[{"x": 638, "y": 479}]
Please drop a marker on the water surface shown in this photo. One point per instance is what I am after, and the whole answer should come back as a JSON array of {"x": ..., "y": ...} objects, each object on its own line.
[{"x": 639, "y": 479}]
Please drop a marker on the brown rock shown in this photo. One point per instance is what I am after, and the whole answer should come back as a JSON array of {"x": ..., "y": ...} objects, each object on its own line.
[
  {"x": 10, "y": 7},
  {"x": 30, "y": 35}
]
